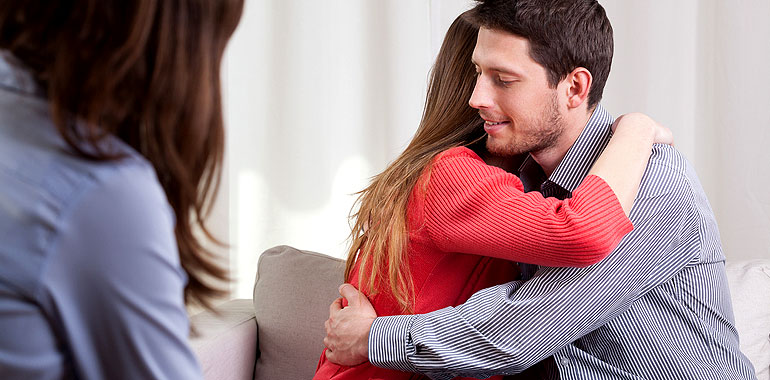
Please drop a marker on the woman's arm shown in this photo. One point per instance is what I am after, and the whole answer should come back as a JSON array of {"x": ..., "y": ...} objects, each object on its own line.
[
  {"x": 623, "y": 162},
  {"x": 474, "y": 208}
]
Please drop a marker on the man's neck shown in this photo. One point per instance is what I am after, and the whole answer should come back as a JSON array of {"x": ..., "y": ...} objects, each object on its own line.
[{"x": 549, "y": 158}]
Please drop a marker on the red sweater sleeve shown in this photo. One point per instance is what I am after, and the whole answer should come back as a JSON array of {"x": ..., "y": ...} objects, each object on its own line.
[{"x": 471, "y": 207}]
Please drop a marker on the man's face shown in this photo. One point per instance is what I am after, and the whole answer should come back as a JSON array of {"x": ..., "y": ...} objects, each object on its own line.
[{"x": 513, "y": 96}]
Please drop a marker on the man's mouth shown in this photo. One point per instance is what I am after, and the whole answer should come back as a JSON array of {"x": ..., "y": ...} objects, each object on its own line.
[{"x": 494, "y": 126}]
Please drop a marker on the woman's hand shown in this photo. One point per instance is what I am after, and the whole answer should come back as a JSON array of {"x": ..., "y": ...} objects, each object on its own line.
[{"x": 662, "y": 135}]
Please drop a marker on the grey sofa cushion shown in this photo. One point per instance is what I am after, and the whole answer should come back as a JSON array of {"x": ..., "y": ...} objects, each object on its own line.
[{"x": 292, "y": 294}]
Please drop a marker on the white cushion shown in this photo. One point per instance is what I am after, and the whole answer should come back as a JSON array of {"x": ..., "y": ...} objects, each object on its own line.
[{"x": 750, "y": 289}]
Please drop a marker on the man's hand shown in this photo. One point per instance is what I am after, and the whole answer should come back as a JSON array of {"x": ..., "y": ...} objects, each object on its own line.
[{"x": 347, "y": 329}]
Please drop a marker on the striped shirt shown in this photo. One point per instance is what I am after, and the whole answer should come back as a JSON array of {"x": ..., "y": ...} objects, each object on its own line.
[{"x": 658, "y": 307}]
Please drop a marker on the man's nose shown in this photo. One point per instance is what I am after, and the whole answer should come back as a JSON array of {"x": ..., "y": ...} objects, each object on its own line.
[{"x": 481, "y": 98}]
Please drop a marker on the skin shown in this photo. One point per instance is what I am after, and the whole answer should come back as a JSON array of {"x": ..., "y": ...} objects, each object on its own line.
[
  {"x": 523, "y": 113},
  {"x": 347, "y": 329}
]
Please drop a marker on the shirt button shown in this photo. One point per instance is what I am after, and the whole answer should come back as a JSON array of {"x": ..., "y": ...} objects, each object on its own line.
[{"x": 564, "y": 361}]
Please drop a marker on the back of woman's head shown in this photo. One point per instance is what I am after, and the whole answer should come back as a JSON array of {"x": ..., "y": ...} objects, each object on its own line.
[
  {"x": 379, "y": 234},
  {"x": 148, "y": 72},
  {"x": 451, "y": 85}
]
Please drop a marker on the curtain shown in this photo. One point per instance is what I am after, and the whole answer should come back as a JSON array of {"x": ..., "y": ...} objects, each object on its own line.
[
  {"x": 322, "y": 95},
  {"x": 700, "y": 67}
]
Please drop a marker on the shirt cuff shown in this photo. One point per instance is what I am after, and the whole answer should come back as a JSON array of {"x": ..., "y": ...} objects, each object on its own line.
[{"x": 389, "y": 342}]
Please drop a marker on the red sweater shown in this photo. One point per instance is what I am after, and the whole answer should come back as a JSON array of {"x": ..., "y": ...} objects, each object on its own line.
[{"x": 472, "y": 223}]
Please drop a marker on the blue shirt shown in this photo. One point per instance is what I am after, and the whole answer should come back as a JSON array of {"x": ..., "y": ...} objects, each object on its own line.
[
  {"x": 658, "y": 307},
  {"x": 91, "y": 286}
]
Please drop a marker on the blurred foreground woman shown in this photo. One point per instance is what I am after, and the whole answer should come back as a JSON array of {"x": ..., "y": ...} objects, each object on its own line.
[{"x": 111, "y": 142}]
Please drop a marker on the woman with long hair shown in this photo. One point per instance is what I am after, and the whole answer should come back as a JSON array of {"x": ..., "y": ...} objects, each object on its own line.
[
  {"x": 111, "y": 144},
  {"x": 441, "y": 223}
]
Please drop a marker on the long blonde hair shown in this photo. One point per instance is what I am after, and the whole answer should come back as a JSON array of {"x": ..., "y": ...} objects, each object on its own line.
[{"x": 379, "y": 235}]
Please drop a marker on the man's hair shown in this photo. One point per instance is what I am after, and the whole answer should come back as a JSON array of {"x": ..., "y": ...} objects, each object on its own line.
[{"x": 562, "y": 34}]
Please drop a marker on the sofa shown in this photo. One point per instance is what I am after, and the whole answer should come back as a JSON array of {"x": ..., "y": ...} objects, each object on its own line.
[{"x": 279, "y": 333}]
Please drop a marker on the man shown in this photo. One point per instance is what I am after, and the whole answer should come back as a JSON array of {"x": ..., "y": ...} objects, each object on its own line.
[{"x": 656, "y": 308}]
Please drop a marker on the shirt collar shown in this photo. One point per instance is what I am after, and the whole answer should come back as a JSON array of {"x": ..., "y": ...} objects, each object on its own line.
[
  {"x": 576, "y": 163},
  {"x": 14, "y": 76}
]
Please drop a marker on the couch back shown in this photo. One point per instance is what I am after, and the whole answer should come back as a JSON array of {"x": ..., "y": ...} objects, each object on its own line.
[
  {"x": 294, "y": 288},
  {"x": 292, "y": 294}
]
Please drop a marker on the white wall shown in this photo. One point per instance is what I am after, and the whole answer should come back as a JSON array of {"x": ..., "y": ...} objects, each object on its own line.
[
  {"x": 321, "y": 95},
  {"x": 700, "y": 67}
]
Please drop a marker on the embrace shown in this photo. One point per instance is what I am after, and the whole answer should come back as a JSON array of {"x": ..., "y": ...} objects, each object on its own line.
[{"x": 530, "y": 234}]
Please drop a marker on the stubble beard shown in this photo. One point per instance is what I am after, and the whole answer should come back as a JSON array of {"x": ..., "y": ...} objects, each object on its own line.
[{"x": 549, "y": 128}]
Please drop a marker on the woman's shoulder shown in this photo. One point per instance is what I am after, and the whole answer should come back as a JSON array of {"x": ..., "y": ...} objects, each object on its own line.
[
  {"x": 120, "y": 223},
  {"x": 60, "y": 181},
  {"x": 464, "y": 160},
  {"x": 458, "y": 152},
  {"x": 124, "y": 198},
  {"x": 461, "y": 168},
  {"x": 449, "y": 161},
  {"x": 39, "y": 169},
  {"x": 45, "y": 179},
  {"x": 44, "y": 184},
  {"x": 121, "y": 220},
  {"x": 53, "y": 196}
]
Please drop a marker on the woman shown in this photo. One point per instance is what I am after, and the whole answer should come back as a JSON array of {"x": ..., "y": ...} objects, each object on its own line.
[
  {"x": 439, "y": 224},
  {"x": 111, "y": 140}
]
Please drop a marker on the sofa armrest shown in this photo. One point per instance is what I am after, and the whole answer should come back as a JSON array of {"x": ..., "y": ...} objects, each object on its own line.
[{"x": 226, "y": 342}]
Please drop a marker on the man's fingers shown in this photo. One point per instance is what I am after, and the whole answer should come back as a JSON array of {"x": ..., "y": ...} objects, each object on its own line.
[
  {"x": 330, "y": 355},
  {"x": 351, "y": 294},
  {"x": 335, "y": 307}
]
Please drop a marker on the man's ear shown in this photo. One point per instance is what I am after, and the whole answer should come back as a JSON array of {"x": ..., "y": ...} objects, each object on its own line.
[{"x": 578, "y": 84}]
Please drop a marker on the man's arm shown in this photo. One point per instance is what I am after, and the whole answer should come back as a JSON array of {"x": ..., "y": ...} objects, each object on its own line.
[{"x": 508, "y": 328}]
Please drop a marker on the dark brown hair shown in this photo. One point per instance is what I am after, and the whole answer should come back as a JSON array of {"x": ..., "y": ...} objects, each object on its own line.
[
  {"x": 563, "y": 35},
  {"x": 148, "y": 72},
  {"x": 379, "y": 236}
]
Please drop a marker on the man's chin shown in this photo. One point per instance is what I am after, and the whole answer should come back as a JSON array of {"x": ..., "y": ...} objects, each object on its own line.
[{"x": 499, "y": 149}]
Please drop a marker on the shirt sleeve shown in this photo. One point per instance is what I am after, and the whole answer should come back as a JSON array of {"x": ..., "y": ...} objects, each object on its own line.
[
  {"x": 508, "y": 328},
  {"x": 115, "y": 284},
  {"x": 474, "y": 208}
]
